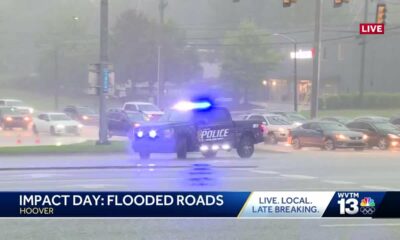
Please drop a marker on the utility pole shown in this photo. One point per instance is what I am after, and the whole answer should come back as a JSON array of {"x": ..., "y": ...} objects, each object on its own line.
[
  {"x": 363, "y": 51},
  {"x": 316, "y": 62},
  {"x": 295, "y": 82},
  {"x": 56, "y": 78},
  {"x": 103, "y": 67},
  {"x": 160, "y": 63}
]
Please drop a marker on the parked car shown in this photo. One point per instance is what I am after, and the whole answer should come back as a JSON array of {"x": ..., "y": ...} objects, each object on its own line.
[
  {"x": 56, "y": 124},
  {"x": 17, "y": 104},
  {"x": 150, "y": 110},
  {"x": 276, "y": 127},
  {"x": 10, "y": 118},
  {"x": 122, "y": 123},
  {"x": 371, "y": 118},
  {"x": 342, "y": 120},
  {"x": 327, "y": 135},
  {"x": 293, "y": 117},
  {"x": 381, "y": 134},
  {"x": 84, "y": 115}
]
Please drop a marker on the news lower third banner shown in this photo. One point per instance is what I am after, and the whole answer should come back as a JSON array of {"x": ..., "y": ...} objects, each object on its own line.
[{"x": 200, "y": 204}]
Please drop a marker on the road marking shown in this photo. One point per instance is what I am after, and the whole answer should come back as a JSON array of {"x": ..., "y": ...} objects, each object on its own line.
[
  {"x": 362, "y": 225},
  {"x": 92, "y": 186},
  {"x": 298, "y": 176},
  {"x": 338, "y": 182},
  {"x": 376, "y": 187},
  {"x": 263, "y": 171},
  {"x": 40, "y": 175}
]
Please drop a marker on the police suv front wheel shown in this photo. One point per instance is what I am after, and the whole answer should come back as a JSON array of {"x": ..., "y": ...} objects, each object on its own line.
[
  {"x": 245, "y": 149},
  {"x": 181, "y": 148},
  {"x": 144, "y": 155}
]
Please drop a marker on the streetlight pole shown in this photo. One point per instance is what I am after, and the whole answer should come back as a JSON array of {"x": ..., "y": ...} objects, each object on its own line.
[
  {"x": 103, "y": 67},
  {"x": 160, "y": 66},
  {"x": 295, "y": 83},
  {"x": 316, "y": 62}
]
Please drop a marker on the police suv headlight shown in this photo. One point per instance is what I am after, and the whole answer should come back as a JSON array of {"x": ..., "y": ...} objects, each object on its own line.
[
  {"x": 153, "y": 133},
  {"x": 168, "y": 133},
  {"x": 60, "y": 126},
  {"x": 139, "y": 134}
]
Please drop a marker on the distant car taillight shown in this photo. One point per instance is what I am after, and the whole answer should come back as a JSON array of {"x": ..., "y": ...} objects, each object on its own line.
[{"x": 263, "y": 128}]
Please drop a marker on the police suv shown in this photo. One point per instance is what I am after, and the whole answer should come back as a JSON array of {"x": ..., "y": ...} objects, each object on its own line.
[{"x": 197, "y": 127}]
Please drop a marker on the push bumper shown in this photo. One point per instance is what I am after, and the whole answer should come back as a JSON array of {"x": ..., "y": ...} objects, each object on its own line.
[{"x": 154, "y": 145}]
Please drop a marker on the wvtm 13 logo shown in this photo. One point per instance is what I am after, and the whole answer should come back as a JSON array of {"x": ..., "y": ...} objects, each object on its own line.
[{"x": 350, "y": 205}]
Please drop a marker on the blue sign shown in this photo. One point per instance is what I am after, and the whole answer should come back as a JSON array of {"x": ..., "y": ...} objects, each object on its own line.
[{"x": 106, "y": 79}]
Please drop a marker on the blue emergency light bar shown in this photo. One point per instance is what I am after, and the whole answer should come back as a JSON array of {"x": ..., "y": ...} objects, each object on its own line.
[{"x": 187, "y": 106}]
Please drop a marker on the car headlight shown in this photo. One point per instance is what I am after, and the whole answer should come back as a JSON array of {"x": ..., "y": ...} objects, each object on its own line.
[
  {"x": 365, "y": 137},
  {"x": 9, "y": 119},
  {"x": 31, "y": 110},
  {"x": 153, "y": 133},
  {"x": 168, "y": 133},
  {"x": 341, "y": 137},
  {"x": 60, "y": 126},
  {"x": 80, "y": 126},
  {"x": 393, "y": 136},
  {"x": 84, "y": 117},
  {"x": 281, "y": 129}
]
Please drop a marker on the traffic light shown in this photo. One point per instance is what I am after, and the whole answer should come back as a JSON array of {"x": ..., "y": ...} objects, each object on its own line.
[
  {"x": 338, "y": 3},
  {"x": 287, "y": 3},
  {"x": 381, "y": 13}
]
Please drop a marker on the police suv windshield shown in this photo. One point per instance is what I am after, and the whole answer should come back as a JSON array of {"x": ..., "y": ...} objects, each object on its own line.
[{"x": 215, "y": 115}]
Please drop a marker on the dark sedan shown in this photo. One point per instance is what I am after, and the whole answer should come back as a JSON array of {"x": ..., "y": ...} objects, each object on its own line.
[
  {"x": 326, "y": 135},
  {"x": 11, "y": 117},
  {"x": 381, "y": 134},
  {"x": 84, "y": 115},
  {"x": 122, "y": 123},
  {"x": 395, "y": 121}
]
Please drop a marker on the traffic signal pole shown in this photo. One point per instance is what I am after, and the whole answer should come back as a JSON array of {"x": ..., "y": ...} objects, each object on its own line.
[
  {"x": 363, "y": 51},
  {"x": 103, "y": 81},
  {"x": 316, "y": 62}
]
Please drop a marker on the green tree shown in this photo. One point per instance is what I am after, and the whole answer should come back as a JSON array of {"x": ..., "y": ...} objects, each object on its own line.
[
  {"x": 134, "y": 52},
  {"x": 247, "y": 57}
]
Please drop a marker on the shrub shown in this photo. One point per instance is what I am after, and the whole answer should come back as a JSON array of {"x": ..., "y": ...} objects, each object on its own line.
[{"x": 369, "y": 101}]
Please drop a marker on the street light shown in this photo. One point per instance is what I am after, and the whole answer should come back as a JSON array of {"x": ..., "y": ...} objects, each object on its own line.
[{"x": 292, "y": 40}]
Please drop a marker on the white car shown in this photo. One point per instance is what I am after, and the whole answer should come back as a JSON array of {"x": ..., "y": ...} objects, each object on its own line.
[
  {"x": 55, "y": 124},
  {"x": 150, "y": 110},
  {"x": 278, "y": 127},
  {"x": 18, "y": 104}
]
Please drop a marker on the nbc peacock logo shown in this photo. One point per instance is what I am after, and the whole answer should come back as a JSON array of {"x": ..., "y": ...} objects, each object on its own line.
[{"x": 367, "y": 206}]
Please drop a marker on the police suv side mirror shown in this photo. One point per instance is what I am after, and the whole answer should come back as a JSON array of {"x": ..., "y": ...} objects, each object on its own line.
[{"x": 200, "y": 122}]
